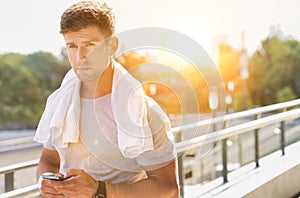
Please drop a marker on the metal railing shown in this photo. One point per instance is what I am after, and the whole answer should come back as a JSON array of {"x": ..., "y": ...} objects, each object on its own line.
[
  {"x": 289, "y": 111},
  {"x": 9, "y": 171},
  {"x": 223, "y": 135}
]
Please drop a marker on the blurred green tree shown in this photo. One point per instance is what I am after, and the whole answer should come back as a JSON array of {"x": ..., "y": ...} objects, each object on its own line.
[
  {"x": 20, "y": 98},
  {"x": 272, "y": 68},
  {"x": 285, "y": 94},
  {"x": 48, "y": 69},
  {"x": 25, "y": 83}
]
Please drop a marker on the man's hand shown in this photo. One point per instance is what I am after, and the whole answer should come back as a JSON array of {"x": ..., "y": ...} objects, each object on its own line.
[
  {"x": 80, "y": 184},
  {"x": 48, "y": 190}
]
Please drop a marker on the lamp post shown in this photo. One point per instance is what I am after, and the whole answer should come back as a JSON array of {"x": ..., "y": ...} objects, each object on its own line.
[
  {"x": 244, "y": 74},
  {"x": 229, "y": 96},
  {"x": 213, "y": 98},
  {"x": 213, "y": 104}
]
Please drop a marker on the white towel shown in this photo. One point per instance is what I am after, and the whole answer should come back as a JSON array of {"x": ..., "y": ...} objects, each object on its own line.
[{"x": 60, "y": 120}]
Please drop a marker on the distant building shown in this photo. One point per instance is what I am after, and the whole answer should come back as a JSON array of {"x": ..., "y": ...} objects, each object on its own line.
[{"x": 275, "y": 30}]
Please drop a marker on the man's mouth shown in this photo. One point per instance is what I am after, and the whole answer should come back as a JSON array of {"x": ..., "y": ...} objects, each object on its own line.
[{"x": 83, "y": 68}]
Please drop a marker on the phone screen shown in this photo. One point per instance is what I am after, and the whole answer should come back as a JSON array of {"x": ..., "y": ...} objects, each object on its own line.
[{"x": 53, "y": 177}]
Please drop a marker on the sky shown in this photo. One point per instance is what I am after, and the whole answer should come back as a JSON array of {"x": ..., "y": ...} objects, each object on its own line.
[{"x": 28, "y": 26}]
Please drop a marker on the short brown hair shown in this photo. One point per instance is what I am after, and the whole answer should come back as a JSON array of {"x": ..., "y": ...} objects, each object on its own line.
[{"x": 88, "y": 13}]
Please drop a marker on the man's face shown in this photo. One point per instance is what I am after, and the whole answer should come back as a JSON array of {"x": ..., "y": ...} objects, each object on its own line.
[{"x": 88, "y": 53}]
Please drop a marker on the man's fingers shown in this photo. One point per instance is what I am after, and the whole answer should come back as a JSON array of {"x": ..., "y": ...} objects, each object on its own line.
[
  {"x": 49, "y": 195},
  {"x": 75, "y": 172},
  {"x": 59, "y": 174},
  {"x": 80, "y": 184},
  {"x": 48, "y": 191}
]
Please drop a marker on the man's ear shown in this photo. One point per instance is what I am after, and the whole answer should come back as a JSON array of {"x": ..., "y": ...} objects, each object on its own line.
[{"x": 114, "y": 44}]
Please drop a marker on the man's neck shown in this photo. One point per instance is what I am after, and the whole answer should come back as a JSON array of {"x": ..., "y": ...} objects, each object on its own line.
[{"x": 100, "y": 87}]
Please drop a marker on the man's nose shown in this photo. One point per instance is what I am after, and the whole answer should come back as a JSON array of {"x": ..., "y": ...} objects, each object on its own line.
[{"x": 81, "y": 55}]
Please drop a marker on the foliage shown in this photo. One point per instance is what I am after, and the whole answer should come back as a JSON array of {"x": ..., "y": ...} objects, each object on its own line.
[
  {"x": 272, "y": 69},
  {"x": 25, "y": 83},
  {"x": 285, "y": 94}
]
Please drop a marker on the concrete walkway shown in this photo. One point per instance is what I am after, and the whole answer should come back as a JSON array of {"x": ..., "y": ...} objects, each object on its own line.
[{"x": 277, "y": 176}]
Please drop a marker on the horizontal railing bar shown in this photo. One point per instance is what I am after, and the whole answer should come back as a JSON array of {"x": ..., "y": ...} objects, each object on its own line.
[
  {"x": 15, "y": 141},
  {"x": 22, "y": 191},
  {"x": 235, "y": 130},
  {"x": 19, "y": 166},
  {"x": 232, "y": 116},
  {"x": 260, "y": 123},
  {"x": 264, "y": 109}
]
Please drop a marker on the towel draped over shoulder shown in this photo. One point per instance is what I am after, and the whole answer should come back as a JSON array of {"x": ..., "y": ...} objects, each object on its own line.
[{"x": 61, "y": 118}]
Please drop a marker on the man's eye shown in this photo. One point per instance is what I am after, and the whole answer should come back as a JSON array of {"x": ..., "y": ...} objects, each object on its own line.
[
  {"x": 89, "y": 45},
  {"x": 72, "y": 46}
]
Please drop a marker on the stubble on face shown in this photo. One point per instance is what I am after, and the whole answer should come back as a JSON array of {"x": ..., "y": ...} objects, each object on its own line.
[{"x": 88, "y": 53}]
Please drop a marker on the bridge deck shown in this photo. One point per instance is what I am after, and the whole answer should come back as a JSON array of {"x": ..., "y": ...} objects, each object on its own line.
[{"x": 278, "y": 176}]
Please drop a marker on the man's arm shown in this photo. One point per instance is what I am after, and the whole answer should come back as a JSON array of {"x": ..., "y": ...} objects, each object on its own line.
[
  {"x": 161, "y": 182},
  {"x": 49, "y": 162},
  {"x": 80, "y": 184}
]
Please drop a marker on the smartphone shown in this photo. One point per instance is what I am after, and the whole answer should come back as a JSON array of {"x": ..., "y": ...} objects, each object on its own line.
[{"x": 53, "y": 177}]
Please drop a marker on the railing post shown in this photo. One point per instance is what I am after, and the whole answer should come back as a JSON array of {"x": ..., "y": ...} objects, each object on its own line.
[
  {"x": 256, "y": 146},
  {"x": 9, "y": 181},
  {"x": 180, "y": 158},
  {"x": 282, "y": 134},
  {"x": 180, "y": 174},
  {"x": 282, "y": 137},
  {"x": 256, "y": 143},
  {"x": 224, "y": 160},
  {"x": 240, "y": 149},
  {"x": 201, "y": 172}
]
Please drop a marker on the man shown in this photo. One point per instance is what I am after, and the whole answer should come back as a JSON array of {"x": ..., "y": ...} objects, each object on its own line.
[{"x": 86, "y": 134}]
